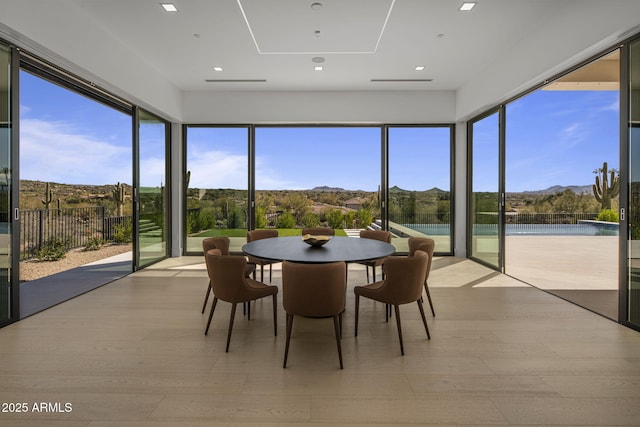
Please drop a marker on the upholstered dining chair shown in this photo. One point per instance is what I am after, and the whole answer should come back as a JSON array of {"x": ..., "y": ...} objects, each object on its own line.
[
  {"x": 319, "y": 231},
  {"x": 229, "y": 283},
  {"x": 314, "y": 290},
  {"x": 383, "y": 236},
  {"x": 427, "y": 245},
  {"x": 402, "y": 285},
  {"x": 257, "y": 235},
  {"x": 222, "y": 243}
]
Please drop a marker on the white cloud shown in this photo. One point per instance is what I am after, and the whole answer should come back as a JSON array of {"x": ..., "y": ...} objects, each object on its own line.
[
  {"x": 52, "y": 151},
  {"x": 218, "y": 169},
  {"x": 572, "y": 135},
  {"x": 269, "y": 179},
  {"x": 614, "y": 106},
  {"x": 152, "y": 172}
]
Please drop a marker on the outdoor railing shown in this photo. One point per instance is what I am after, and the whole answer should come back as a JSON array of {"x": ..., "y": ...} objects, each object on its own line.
[{"x": 73, "y": 227}]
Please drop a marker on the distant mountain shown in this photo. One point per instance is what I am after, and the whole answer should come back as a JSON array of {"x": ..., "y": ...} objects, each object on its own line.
[
  {"x": 325, "y": 188},
  {"x": 578, "y": 189},
  {"x": 395, "y": 188}
]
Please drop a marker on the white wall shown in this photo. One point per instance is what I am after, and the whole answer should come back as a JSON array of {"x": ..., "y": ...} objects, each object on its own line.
[
  {"x": 319, "y": 107},
  {"x": 570, "y": 36},
  {"x": 107, "y": 62}
]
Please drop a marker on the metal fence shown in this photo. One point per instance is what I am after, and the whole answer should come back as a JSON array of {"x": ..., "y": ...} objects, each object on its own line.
[
  {"x": 72, "y": 227},
  {"x": 548, "y": 218}
]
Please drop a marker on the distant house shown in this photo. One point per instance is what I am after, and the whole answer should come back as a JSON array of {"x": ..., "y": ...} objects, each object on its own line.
[{"x": 355, "y": 203}]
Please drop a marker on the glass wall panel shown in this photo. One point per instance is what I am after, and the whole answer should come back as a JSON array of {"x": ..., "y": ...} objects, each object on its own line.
[
  {"x": 153, "y": 199},
  {"x": 76, "y": 163},
  {"x": 633, "y": 285},
  {"x": 217, "y": 165},
  {"x": 485, "y": 194},
  {"x": 561, "y": 141},
  {"x": 5, "y": 187},
  {"x": 419, "y": 194},
  {"x": 317, "y": 176}
]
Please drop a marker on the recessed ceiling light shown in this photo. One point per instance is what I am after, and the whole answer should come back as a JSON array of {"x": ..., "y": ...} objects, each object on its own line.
[
  {"x": 216, "y": 68},
  {"x": 467, "y": 5},
  {"x": 169, "y": 7},
  {"x": 419, "y": 68},
  {"x": 318, "y": 68}
]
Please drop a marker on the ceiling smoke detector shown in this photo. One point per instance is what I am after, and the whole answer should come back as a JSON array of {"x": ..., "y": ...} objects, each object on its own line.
[{"x": 316, "y": 6}]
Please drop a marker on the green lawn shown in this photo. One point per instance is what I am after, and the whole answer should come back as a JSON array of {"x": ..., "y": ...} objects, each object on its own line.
[{"x": 241, "y": 232}]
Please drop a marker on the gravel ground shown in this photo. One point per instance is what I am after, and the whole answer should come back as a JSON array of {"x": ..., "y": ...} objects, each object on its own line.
[{"x": 33, "y": 269}]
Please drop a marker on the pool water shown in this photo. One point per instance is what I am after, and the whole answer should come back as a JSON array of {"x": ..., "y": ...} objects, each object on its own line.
[{"x": 588, "y": 229}]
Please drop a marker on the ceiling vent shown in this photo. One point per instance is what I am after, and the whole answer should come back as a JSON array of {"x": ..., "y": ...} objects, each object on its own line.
[
  {"x": 401, "y": 80},
  {"x": 235, "y": 81}
]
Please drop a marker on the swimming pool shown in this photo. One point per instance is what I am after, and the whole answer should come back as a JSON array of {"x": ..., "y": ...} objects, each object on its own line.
[{"x": 582, "y": 229}]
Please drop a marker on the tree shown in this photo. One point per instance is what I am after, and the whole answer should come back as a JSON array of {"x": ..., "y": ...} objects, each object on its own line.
[
  {"x": 310, "y": 220},
  {"x": 335, "y": 218}
]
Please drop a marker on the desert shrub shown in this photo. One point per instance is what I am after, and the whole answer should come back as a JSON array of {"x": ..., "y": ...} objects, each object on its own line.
[
  {"x": 335, "y": 218},
  {"x": 286, "y": 220},
  {"x": 609, "y": 215},
  {"x": 94, "y": 243},
  {"x": 364, "y": 217},
  {"x": 53, "y": 249},
  {"x": 310, "y": 220},
  {"x": 207, "y": 218},
  {"x": 123, "y": 233},
  {"x": 261, "y": 217}
]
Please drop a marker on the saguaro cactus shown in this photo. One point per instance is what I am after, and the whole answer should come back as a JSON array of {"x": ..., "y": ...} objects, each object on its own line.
[
  {"x": 602, "y": 189},
  {"x": 48, "y": 197},
  {"x": 118, "y": 193}
]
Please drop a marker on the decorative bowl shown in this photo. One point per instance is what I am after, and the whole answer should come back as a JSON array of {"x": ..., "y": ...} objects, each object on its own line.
[{"x": 315, "y": 241}]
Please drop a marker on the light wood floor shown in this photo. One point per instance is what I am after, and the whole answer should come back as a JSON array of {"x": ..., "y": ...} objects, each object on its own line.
[{"x": 133, "y": 353}]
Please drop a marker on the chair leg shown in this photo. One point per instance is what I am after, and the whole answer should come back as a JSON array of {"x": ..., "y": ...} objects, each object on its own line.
[
  {"x": 248, "y": 303},
  {"x": 213, "y": 307},
  {"x": 357, "y": 308},
  {"x": 233, "y": 314},
  {"x": 286, "y": 346},
  {"x": 262, "y": 273},
  {"x": 373, "y": 267},
  {"x": 270, "y": 271},
  {"x": 366, "y": 267},
  {"x": 340, "y": 322},
  {"x": 424, "y": 319},
  {"x": 338, "y": 334},
  {"x": 399, "y": 328},
  {"x": 275, "y": 316},
  {"x": 426, "y": 288},
  {"x": 206, "y": 296}
]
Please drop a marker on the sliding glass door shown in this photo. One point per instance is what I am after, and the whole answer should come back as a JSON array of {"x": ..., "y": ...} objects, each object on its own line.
[
  {"x": 6, "y": 218},
  {"x": 485, "y": 204},
  {"x": 632, "y": 292},
  {"x": 152, "y": 190},
  {"x": 217, "y": 179},
  {"x": 419, "y": 174}
]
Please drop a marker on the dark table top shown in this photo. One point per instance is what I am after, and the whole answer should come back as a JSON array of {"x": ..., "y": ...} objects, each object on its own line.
[{"x": 339, "y": 248}]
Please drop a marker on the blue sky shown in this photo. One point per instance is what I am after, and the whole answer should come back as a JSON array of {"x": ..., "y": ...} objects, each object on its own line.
[{"x": 553, "y": 138}]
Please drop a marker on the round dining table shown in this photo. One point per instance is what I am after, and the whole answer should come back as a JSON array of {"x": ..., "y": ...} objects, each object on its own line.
[{"x": 339, "y": 248}]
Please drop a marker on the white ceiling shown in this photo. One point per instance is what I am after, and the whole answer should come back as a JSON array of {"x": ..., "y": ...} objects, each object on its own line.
[{"x": 360, "y": 40}]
